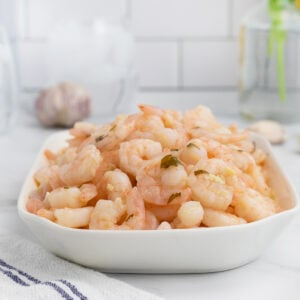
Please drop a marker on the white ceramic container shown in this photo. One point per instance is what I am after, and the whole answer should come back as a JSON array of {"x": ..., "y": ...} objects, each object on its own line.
[{"x": 164, "y": 251}]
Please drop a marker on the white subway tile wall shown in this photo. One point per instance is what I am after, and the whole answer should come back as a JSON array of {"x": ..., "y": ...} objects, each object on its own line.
[
  {"x": 158, "y": 64},
  {"x": 43, "y": 14},
  {"x": 239, "y": 9},
  {"x": 181, "y": 44},
  {"x": 217, "y": 66},
  {"x": 180, "y": 18},
  {"x": 32, "y": 64}
]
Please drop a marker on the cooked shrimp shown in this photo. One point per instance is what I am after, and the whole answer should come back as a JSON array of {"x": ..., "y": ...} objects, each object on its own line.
[
  {"x": 80, "y": 134},
  {"x": 34, "y": 204},
  {"x": 259, "y": 156},
  {"x": 250, "y": 147},
  {"x": 239, "y": 164},
  {"x": 36, "y": 199},
  {"x": 160, "y": 125},
  {"x": 117, "y": 184},
  {"x": 163, "y": 180},
  {"x": 46, "y": 213},
  {"x": 87, "y": 192},
  {"x": 48, "y": 175},
  {"x": 232, "y": 155},
  {"x": 199, "y": 117},
  {"x": 145, "y": 126},
  {"x": 253, "y": 206},
  {"x": 110, "y": 161},
  {"x": 201, "y": 123},
  {"x": 73, "y": 217},
  {"x": 193, "y": 152},
  {"x": 112, "y": 158},
  {"x": 151, "y": 221},
  {"x": 164, "y": 226},
  {"x": 215, "y": 218},
  {"x": 72, "y": 197},
  {"x": 64, "y": 197},
  {"x": 107, "y": 214},
  {"x": 259, "y": 181},
  {"x": 135, "y": 210},
  {"x": 65, "y": 156},
  {"x": 208, "y": 184},
  {"x": 135, "y": 152},
  {"x": 220, "y": 134},
  {"x": 120, "y": 129},
  {"x": 83, "y": 168},
  {"x": 157, "y": 169},
  {"x": 82, "y": 129},
  {"x": 170, "y": 138},
  {"x": 170, "y": 118},
  {"x": 163, "y": 212},
  {"x": 190, "y": 215},
  {"x": 49, "y": 155}
]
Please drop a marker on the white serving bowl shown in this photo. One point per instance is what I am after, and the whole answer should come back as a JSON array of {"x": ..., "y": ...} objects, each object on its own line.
[{"x": 163, "y": 251}]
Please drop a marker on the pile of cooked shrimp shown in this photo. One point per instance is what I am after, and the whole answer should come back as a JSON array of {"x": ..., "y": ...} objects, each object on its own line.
[{"x": 157, "y": 169}]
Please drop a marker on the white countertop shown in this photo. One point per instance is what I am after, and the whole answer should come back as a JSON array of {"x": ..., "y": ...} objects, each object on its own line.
[{"x": 275, "y": 275}]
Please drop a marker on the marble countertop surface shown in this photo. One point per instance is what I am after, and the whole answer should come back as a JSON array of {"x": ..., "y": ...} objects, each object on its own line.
[{"x": 275, "y": 275}]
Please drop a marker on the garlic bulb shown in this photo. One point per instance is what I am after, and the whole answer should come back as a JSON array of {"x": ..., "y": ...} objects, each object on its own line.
[
  {"x": 271, "y": 130},
  {"x": 63, "y": 105}
]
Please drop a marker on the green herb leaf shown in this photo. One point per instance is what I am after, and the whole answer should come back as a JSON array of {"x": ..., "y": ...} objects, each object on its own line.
[
  {"x": 173, "y": 196},
  {"x": 113, "y": 127},
  {"x": 169, "y": 161},
  {"x": 192, "y": 145},
  {"x": 129, "y": 217},
  {"x": 100, "y": 138},
  {"x": 198, "y": 172}
]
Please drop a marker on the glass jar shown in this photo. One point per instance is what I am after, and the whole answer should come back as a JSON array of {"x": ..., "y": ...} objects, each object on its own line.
[
  {"x": 269, "y": 85},
  {"x": 98, "y": 55},
  {"x": 8, "y": 85}
]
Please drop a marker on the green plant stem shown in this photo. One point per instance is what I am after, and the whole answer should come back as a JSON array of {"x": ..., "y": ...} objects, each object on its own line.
[
  {"x": 281, "y": 37},
  {"x": 271, "y": 41},
  {"x": 278, "y": 35}
]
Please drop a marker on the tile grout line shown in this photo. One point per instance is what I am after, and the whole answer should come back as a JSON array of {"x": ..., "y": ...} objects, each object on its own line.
[
  {"x": 187, "y": 89},
  {"x": 184, "y": 39},
  {"x": 161, "y": 89},
  {"x": 20, "y": 19},
  {"x": 230, "y": 33},
  {"x": 26, "y": 19},
  {"x": 129, "y": 9},
  {"x": 297, "y": 63},
  {"x": 152, "y": 39},
  {"x": 180, "y": 81}
]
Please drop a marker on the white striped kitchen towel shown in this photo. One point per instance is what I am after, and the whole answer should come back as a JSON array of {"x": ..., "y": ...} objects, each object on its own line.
[{"x": 27, "y": 271}]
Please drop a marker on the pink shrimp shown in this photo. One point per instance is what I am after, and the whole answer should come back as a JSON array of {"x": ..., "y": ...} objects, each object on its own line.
[
  {"x": 109, "y": 214},
  {"x": 161, "y": 183}
]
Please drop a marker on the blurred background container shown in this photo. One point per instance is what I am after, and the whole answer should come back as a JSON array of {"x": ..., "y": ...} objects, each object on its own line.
[
  {"x": 186, "y": 50},
  {"x": 96, "y": 54},
  {"x": 8, "y": 84},
  {"x": 270, "y": 61}
]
